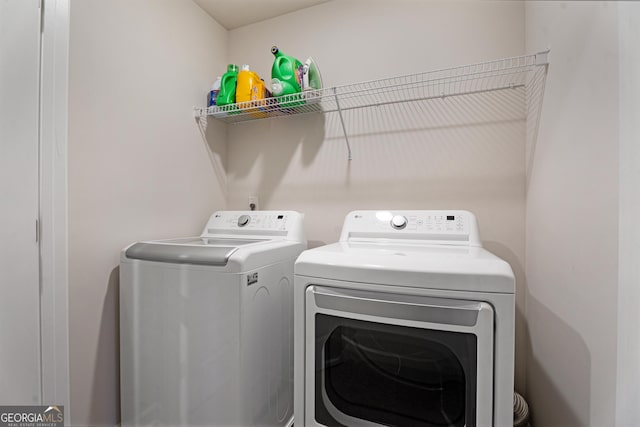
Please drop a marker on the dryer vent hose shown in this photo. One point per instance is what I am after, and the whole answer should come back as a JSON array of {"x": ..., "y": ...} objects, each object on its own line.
[{"x": 520, "y": 411}]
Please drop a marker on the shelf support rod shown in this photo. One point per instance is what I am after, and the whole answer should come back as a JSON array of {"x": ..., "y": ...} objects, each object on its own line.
[{"x": 344, "y": 129}]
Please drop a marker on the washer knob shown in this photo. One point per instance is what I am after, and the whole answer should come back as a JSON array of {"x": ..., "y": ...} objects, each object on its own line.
[
  {"x": 243, "y": 220},
  {"x": 398, "y": 222}
]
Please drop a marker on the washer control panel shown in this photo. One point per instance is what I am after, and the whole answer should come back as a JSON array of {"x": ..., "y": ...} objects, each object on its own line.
[
  {"x": 288, "y": 224},
  {"x": 265, "y": 220},
  {"x": 454, "y": 227}
]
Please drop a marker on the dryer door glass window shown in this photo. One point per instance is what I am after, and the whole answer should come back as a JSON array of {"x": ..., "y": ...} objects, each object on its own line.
[{"x": 393, "y": 375}]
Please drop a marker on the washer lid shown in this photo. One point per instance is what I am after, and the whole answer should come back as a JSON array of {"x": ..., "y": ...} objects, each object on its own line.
[
  {"x": 426, "y": 266},
  {"x": 188, "y": 251}
]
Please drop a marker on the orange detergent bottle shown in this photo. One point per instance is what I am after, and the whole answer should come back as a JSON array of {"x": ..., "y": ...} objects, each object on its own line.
[{"x": 250, "y": 87}]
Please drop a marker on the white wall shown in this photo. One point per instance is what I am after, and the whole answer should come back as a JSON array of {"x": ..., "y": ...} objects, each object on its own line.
[
  {"x": 138, "y": 166},
  {"x": 628, "y": 387},
  {"x": 461, "y": 153},
  {"x": 572, "y": 218}
]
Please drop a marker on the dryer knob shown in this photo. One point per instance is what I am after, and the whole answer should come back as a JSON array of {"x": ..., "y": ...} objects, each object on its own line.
[
  {"x": 243, "y": 220},
  {"x": 398, "y": 222}
]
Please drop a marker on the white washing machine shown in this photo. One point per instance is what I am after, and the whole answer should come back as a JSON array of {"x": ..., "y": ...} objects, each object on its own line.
[
  {"x": 206, "y": 324},
  {"x": 407, "y": 321}
]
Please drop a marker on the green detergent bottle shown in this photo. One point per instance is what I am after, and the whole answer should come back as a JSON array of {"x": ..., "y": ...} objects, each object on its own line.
[
  {"x": 286, "y": 78},
  {"x": 227, "y": 94}
]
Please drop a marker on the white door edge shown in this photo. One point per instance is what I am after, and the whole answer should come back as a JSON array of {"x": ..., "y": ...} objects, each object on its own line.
[{"x": 53, "y": 205}]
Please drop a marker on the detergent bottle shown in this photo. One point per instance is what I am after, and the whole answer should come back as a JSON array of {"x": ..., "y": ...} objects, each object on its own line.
[
  {"x": 285, "y": 76},
  {"x": 250, "y": 86},
  {"x": 213, "y": 93},
  {"x": 227, "y": 94}
]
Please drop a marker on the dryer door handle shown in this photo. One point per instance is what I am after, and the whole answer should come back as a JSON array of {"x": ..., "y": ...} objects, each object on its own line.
[{"x": 400, "y": 306}]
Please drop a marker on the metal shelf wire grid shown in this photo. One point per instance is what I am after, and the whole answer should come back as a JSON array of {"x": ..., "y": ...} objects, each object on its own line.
[{"x": 502, "y": 74}]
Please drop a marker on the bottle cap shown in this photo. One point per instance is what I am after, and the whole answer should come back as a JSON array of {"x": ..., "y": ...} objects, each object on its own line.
[
  {"x": 245, "y": 67},
  {"x": 232, "y": 67}
]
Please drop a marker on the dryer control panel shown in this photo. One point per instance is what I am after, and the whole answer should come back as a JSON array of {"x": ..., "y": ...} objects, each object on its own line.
[
  {"x": 455, "y": 227},
  {"x": 286, "y": 224}
]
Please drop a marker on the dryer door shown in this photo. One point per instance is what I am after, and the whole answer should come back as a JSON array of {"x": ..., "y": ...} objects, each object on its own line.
[{"x": 397, "y": 360}]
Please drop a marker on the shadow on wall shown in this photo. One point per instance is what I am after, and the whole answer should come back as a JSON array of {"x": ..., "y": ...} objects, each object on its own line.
[
  {"x": 214, "y": 135},
  {"x": 570, "y": 374},
  {"x": 315, "y": 243},
  {"x": 304, "y": 133},
  {"x": 467, "y": 147},
  {"x": 107, "y": 376}
]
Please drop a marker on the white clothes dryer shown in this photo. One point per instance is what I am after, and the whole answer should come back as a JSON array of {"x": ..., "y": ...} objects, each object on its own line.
[
  {"x": 406, "y": 321},
  {"x": 206, "y": 324}
]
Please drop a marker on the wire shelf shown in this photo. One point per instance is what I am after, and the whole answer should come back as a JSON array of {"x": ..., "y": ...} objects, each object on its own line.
[{"x": 501, "y": 74}]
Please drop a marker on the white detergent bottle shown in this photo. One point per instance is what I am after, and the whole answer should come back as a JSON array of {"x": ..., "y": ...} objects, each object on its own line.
[{"x": 213, "y": 93}]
